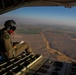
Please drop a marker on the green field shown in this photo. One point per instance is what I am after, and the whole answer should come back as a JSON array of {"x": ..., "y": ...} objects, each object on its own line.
[
  {"x": 23, "y": 31},
  {"x": 56, "y": 31},
  {"x": 72, "y": 35}
]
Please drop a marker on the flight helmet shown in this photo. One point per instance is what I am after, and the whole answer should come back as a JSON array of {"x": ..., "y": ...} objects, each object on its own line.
[{"x": 10, "y": 25}]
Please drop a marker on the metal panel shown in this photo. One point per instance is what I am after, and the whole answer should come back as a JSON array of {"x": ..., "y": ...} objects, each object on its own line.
[{"x": 9, "y": 5}]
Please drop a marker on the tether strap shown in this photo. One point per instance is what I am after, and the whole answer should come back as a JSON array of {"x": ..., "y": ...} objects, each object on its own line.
[{"x": 14, "y": 53}]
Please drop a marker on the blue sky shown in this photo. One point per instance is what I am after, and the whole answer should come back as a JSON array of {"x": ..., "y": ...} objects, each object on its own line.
[{"x": 42, "y": 15}]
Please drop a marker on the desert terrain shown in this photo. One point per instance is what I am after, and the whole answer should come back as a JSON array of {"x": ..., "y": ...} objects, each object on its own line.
[{"x": 55, "y": 42}]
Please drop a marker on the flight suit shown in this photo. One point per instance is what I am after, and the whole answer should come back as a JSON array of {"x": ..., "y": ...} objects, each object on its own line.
[{"x": 11, "y": 51}]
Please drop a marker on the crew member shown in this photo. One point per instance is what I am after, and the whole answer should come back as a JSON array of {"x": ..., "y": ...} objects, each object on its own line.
[{"x": 7, "y": 48}]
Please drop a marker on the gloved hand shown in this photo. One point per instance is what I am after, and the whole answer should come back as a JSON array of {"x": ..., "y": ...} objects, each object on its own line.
[{"x": 14, "y": 47}]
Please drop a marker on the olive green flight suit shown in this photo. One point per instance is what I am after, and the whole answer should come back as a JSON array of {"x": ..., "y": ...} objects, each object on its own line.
[{"x": 9, "y": 50}]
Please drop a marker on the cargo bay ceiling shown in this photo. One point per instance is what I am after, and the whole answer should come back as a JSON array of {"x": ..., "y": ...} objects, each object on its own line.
[{"x": 9, "y": 5}]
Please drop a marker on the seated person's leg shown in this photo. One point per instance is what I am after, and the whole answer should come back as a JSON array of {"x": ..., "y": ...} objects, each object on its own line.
[{"x": 23, "y": 47}]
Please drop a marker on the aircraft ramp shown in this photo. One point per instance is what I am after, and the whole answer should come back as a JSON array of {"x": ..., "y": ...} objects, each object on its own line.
[{"x": 36, "y": 65}]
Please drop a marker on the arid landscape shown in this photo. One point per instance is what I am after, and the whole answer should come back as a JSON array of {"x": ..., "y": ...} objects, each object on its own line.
[{"x": 56, "y": 42}]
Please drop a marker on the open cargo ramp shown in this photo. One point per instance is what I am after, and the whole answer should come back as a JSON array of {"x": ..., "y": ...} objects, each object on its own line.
[{"x": 36, "y": 65}]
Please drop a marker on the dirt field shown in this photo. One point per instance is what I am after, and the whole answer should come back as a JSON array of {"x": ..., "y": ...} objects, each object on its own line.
[
  {"x": 62, "y": 46},
  {"x": 63, "y": 43}
]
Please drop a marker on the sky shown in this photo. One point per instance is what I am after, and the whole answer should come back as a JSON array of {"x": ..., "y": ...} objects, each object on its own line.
[{"x": 42, "y": 15}]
